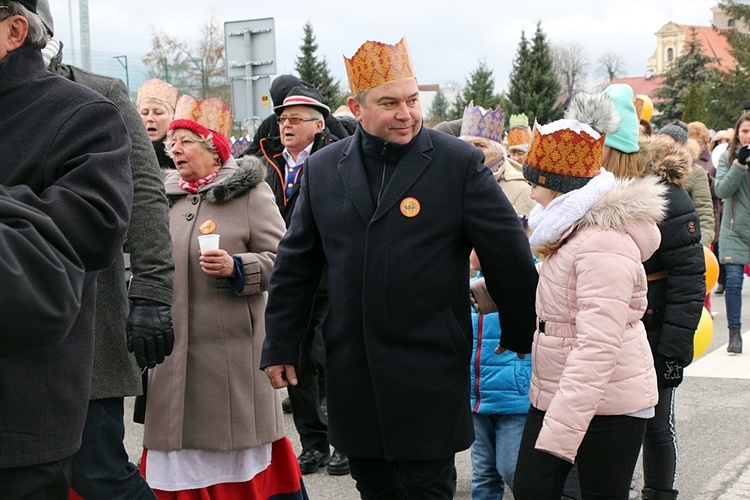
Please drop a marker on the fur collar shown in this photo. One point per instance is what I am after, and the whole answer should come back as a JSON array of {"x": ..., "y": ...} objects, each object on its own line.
[
  {"x": 640, "y": 199},
  {"x": 675, "y": 168},
  {"x": 235, "y": 179}
]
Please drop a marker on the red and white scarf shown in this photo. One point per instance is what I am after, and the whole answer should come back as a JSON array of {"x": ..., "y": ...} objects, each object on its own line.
[{"x": 194, "y": 187}]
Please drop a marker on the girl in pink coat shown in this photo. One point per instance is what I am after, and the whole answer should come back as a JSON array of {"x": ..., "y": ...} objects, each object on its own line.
[{"x": 593, "y": 384}]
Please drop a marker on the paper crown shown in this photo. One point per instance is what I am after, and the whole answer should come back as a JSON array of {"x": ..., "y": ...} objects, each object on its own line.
[
  {"x": 519, "y": 138},
  {"x": 520, "y": 120},
  {"x": 564, "y": 155},
  {"x": 480, "y": 122},
  {"x": 205, "y": 117},
  {"x": 158, "y": 89},
  {"x": 376, "y": 63}
]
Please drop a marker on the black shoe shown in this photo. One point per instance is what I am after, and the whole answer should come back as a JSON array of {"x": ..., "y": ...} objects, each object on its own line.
[
  {"x": 719, "y": 289},
  {"x": 286, "y": 406},
  {"x": 339, "y": 464},
  {"x": 312, "y": 461}
]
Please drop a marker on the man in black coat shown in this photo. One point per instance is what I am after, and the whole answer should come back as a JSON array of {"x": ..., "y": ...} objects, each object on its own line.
[
  {"x": 392, "y": 213},
  {"x": 63, "y": 150}
]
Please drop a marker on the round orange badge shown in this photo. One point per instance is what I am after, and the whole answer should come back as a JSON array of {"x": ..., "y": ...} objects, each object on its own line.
[
  {"x": 410, "y": 207},
  {"x": 207, "y": 227}
]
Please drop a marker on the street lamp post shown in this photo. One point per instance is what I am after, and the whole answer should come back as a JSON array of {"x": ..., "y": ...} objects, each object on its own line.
[{"x": 125, "y": 65}]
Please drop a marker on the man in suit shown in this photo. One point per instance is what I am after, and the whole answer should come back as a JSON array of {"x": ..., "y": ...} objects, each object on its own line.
[
  {"x": 101, "y": 468},
  {"x": 392, "y": 213}
]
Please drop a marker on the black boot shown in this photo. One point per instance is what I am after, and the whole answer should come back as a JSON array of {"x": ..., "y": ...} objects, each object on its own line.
[
  {"x": 735, "y": 340},
  {"x": 649, "y": 494}
]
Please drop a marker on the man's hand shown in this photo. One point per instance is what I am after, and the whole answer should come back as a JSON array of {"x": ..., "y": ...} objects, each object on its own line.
[
  {"x": 281, "y": 375},
  {"x": 743, "y": 154},
  {"x": 150, "y": 332}
]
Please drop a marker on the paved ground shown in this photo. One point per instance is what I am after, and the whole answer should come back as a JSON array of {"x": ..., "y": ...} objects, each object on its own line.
[{"x": 712, "y": 409}]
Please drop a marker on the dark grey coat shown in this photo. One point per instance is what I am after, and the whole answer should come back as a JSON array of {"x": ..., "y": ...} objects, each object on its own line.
[{"x": 149, "y": 244}]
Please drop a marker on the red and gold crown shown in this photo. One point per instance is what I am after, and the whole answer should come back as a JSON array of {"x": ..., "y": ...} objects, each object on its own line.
[
  {"x": 160, "y": 90},
  {"x": 564, "y": 155},
  {"x": 205, "y": 117},
  {"x": 376, "y": 63},
  {"x": 485, "y": 123}
]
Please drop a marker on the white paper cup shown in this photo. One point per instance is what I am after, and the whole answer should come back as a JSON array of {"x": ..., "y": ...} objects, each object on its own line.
[{"x": 208, "y": 242}]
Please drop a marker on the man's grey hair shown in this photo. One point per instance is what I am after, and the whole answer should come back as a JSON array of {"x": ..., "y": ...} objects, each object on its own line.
[
  {"x": 361, "y": 96},
  {"x": 316, "y": 114},
  {"x": 37, "y": 35}
]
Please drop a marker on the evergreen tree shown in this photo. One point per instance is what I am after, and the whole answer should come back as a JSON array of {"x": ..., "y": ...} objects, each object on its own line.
[
  {"x": 695, "y": 104},
  {"x": 480, "y": 88},
  {"x": 438, "y": 110},
  {"x": 534, "y": 88},
  {"x": 316, "y": 72},
  {"x": 693, "y": 67}
]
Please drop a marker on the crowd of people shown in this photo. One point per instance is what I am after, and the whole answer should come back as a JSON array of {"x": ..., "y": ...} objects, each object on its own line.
[{"x": 333, "y": 258}]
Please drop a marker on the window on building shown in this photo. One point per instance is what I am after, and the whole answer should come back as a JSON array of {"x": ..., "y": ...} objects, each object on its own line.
[
  {"x": 670, "y": 54},
  {"x": 730, "y": 23}
]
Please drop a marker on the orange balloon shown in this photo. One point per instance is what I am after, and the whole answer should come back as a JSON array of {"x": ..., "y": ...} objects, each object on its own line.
[
  {"x": 703, "y": 335},
  {"x": 712, "y": 269},
  {"x": 648, "y": 107}
]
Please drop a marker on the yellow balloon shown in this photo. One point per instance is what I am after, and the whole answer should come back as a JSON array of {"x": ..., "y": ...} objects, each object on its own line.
[
  {"x": 703, "y": 335},
  {"x": 648, "y": 107},
  {"x": 712, "y": 269}
]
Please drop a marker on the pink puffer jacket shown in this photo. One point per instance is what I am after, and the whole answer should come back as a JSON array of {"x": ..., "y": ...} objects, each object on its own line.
[{"x": 590, "y": 354}]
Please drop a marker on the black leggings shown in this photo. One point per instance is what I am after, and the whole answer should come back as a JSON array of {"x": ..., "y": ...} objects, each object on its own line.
[
  {"x": 606, "y": 460},
  {"x": 660, "y": 445}
]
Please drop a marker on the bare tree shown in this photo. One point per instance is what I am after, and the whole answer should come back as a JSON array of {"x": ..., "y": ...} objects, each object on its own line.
[
  {"x": 571, "y": 65},
  {"x": 197, "y": 66},
  {"x": 610, "y": 66}
]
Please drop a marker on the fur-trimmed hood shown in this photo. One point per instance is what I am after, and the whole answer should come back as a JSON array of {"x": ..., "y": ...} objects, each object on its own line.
[
  {"x": 236, "y": 177},
  {"x": 666, "y": 160},
  {"x": 640, "y": 199}
]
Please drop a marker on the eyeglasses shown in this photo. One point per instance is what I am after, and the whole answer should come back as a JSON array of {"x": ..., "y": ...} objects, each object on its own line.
[{"x": 294, "y": 120}]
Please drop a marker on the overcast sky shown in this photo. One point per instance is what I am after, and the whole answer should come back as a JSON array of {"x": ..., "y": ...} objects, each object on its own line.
[{"x": 446, "y": 43}]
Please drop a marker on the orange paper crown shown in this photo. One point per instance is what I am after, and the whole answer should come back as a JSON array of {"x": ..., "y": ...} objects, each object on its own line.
[
  {"x": 563, "y": 155},
  {"x": 211, "y": 113},
  {"x": 375, "y": 63},
  {"x": 519, "y": 137},
  {"x": 158, "y": 89}
]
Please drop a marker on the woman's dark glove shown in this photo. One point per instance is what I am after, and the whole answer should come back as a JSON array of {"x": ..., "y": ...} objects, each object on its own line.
[
  {"x": 150, "y": 332},
  {"x": 668, "y": 372},
  {"x": 743, "y": 154}
]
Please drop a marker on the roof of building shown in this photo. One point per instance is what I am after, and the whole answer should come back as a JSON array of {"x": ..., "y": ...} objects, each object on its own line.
[
  {"x": 714, "y": 45},
  {"x": 641, "y": 84}
]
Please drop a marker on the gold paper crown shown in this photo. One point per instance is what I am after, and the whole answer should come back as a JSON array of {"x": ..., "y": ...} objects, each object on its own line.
[
  {"x": 564, "y": 159},
  {"x": 519, "y": 136},
  {"x": 158, "y": 89},
  {"x": 211, "y": 113},
  {"x": 376, "y": 63},
  {"x": 485, "y": 123}
]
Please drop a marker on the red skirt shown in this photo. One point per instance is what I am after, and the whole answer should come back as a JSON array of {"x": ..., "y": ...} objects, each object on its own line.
[{"x": 281, "y": 480}]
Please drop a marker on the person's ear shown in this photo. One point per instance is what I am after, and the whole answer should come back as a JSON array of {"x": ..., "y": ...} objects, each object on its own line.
[
  {"x": 18, "y": 30},
  {"x": 355, "y": 107}
]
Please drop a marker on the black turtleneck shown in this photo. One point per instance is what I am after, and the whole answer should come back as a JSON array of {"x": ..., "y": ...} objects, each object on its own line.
[{"x": 381, "y": 159}]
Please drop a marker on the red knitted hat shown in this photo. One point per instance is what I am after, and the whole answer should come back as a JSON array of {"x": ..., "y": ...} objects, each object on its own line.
[{"x": 209, "y": 118}]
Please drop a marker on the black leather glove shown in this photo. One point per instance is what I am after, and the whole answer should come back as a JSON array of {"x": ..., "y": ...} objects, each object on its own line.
[
  {"x": 150, "y": 332},
  {"x": 743, "y": 154},
  {"x": 668, "y": 372}
]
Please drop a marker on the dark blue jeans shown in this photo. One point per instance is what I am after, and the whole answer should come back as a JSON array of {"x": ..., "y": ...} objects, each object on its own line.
[
  {"x": 101, "y": 469},
  {"x": 733, "y": 294}
]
